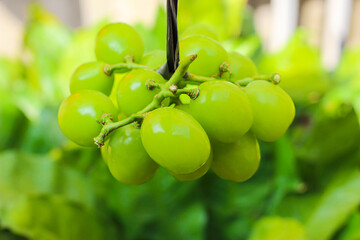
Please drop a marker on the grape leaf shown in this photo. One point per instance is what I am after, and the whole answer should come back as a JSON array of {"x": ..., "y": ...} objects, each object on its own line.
[
  {"x": 55, "y": 218},
  {"x": 352, "y": 230},
  {"x": 339, "y": 200},
  {"x": 22, "y": 174},
  {"x": 270, "y": 228}
]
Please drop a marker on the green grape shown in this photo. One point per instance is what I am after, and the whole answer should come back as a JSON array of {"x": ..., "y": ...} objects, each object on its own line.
[
  {"x": 195, "y": 175},
  {"x": 132, "y": 94},
  {"x": 117, "y": 40},
  {"x": 223, "y": 110},
  {"x": 79, "y": 114},
  {"x": 154, "y": 59},
  {"x": 91, "y": 76},
  {"x": 241, "y": 66},
  {"x": 126, "y": 157},
  {"x": 236, "y": 161},
  {"x": 273, "y": 110},
  {"x": 211, "y": 55},
  {"x": 103, "y": 149},
  {"x": 175, "y": 140}
]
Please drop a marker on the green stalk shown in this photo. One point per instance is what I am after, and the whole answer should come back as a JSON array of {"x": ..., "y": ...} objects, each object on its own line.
[
  {"x": 273, "y": 78},
  {"x": 195, "y": 79}
]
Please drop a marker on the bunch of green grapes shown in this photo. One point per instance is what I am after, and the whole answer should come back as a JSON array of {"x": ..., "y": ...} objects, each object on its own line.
[{"x": 230, "y": 107}]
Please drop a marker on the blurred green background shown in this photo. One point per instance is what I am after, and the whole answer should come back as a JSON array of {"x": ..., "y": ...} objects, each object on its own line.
[{"x": 307, "y": 187}]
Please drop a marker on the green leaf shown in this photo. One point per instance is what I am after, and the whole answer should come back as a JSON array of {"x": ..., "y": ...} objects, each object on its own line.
[
  {"x": 225, "y": 16},
  {"x": 23, "y": 174},
  {"x": 12, "y": 122},
  {"x": 45, "y": 41},
  {"x": 79, "y": 50},
  {"x": 321, "y": 141},
  {"x": 249, "y": 46},
  {"x": 154, "y": 37},
  {"x": 55, "y": 218},
  {"x": 157, "y": 209},
  {"x": 346, "y": 70},
  {"x": 36, "y": 139},
  {"x": 8, "y": 235},
  {"x": 298, "y": 206},
  {"x": 190, "y": 223},
  {"x": 352, "y": 230},
  {"x": 286, "y": 176},
  {"x": 299, "y": 64},
  {"x": 340, "y": 199},
  {"x": 271, "y": 228},
  {"x": 233, "y": 208},
  {"x": 10, "y": 71}
]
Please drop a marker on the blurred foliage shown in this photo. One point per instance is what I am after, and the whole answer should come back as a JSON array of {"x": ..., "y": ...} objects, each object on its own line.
[
  {"x": 340, "y": 199},
  {"x": 224, "y": 16},
  {"x": 298, "y": 63},
  {"x": 279, "y": 228},
  {"x": 45, "y": 40},
  {"x": 352, "y": 230},
  {"x": 307, "y": 187},
  {"x": 249, "y": 43}
]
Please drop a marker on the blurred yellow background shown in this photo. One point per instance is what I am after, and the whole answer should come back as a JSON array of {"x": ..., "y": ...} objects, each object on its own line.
[{"x": 333, "y": 24}]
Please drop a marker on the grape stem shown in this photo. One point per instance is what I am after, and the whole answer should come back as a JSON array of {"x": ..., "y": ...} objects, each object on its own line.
[
  {"x": 167, "y": 90},
  {"x": 273, "y": 78},
  {"x": 195, "y": 79}
]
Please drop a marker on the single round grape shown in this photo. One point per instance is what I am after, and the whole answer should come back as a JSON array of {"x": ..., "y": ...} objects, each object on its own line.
[
  {"x": 126, "y": 157},
  {"x": 79, "y": 114},
  {"x": 211, "y": 55},
  {"x": 91, "y": 76},
  {"x": 155, "y": 59},
  {"x": 195, "y": 175},
  {"x": 223, "y": 110},
  {"x": 132, "y": 94},
  {"x": 103, "y": 149},
  {"x": 273, "y": 110},
  {"x": 236, "y": 161},
  {"x": 117, "y": 40},
  {"x": 241, "y": 66},
  {"x": 175, "y": 140}
]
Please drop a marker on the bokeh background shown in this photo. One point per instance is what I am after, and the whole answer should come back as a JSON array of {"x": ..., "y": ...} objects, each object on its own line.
[{"x": 308, "y": 184}]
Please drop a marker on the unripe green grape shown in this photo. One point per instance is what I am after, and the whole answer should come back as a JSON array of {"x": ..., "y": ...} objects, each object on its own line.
[
  {"x": 223, "y": 110},
  {"x": 155, "y": 59},
  {"x": 236, "y": 161},
  {"x": 79, "y": 114},
  {"x": 195, "y": 175},
  {"x": 103, "y": 149},
  {"x": 273, "y": 110},
  {"x": 175, "y": 140},
  {"x": 126, "y": 157},
  {"x": 132, "y": 94},
  {"x": 91, "y": 76},
  {"x": 117, "y": 40},
  {"x": 211, "y": 55},
  {"x": 241, "y": 66}
]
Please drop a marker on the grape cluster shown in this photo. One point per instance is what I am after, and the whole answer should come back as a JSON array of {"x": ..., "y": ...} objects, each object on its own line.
[{"x": 209, "y": 114}]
